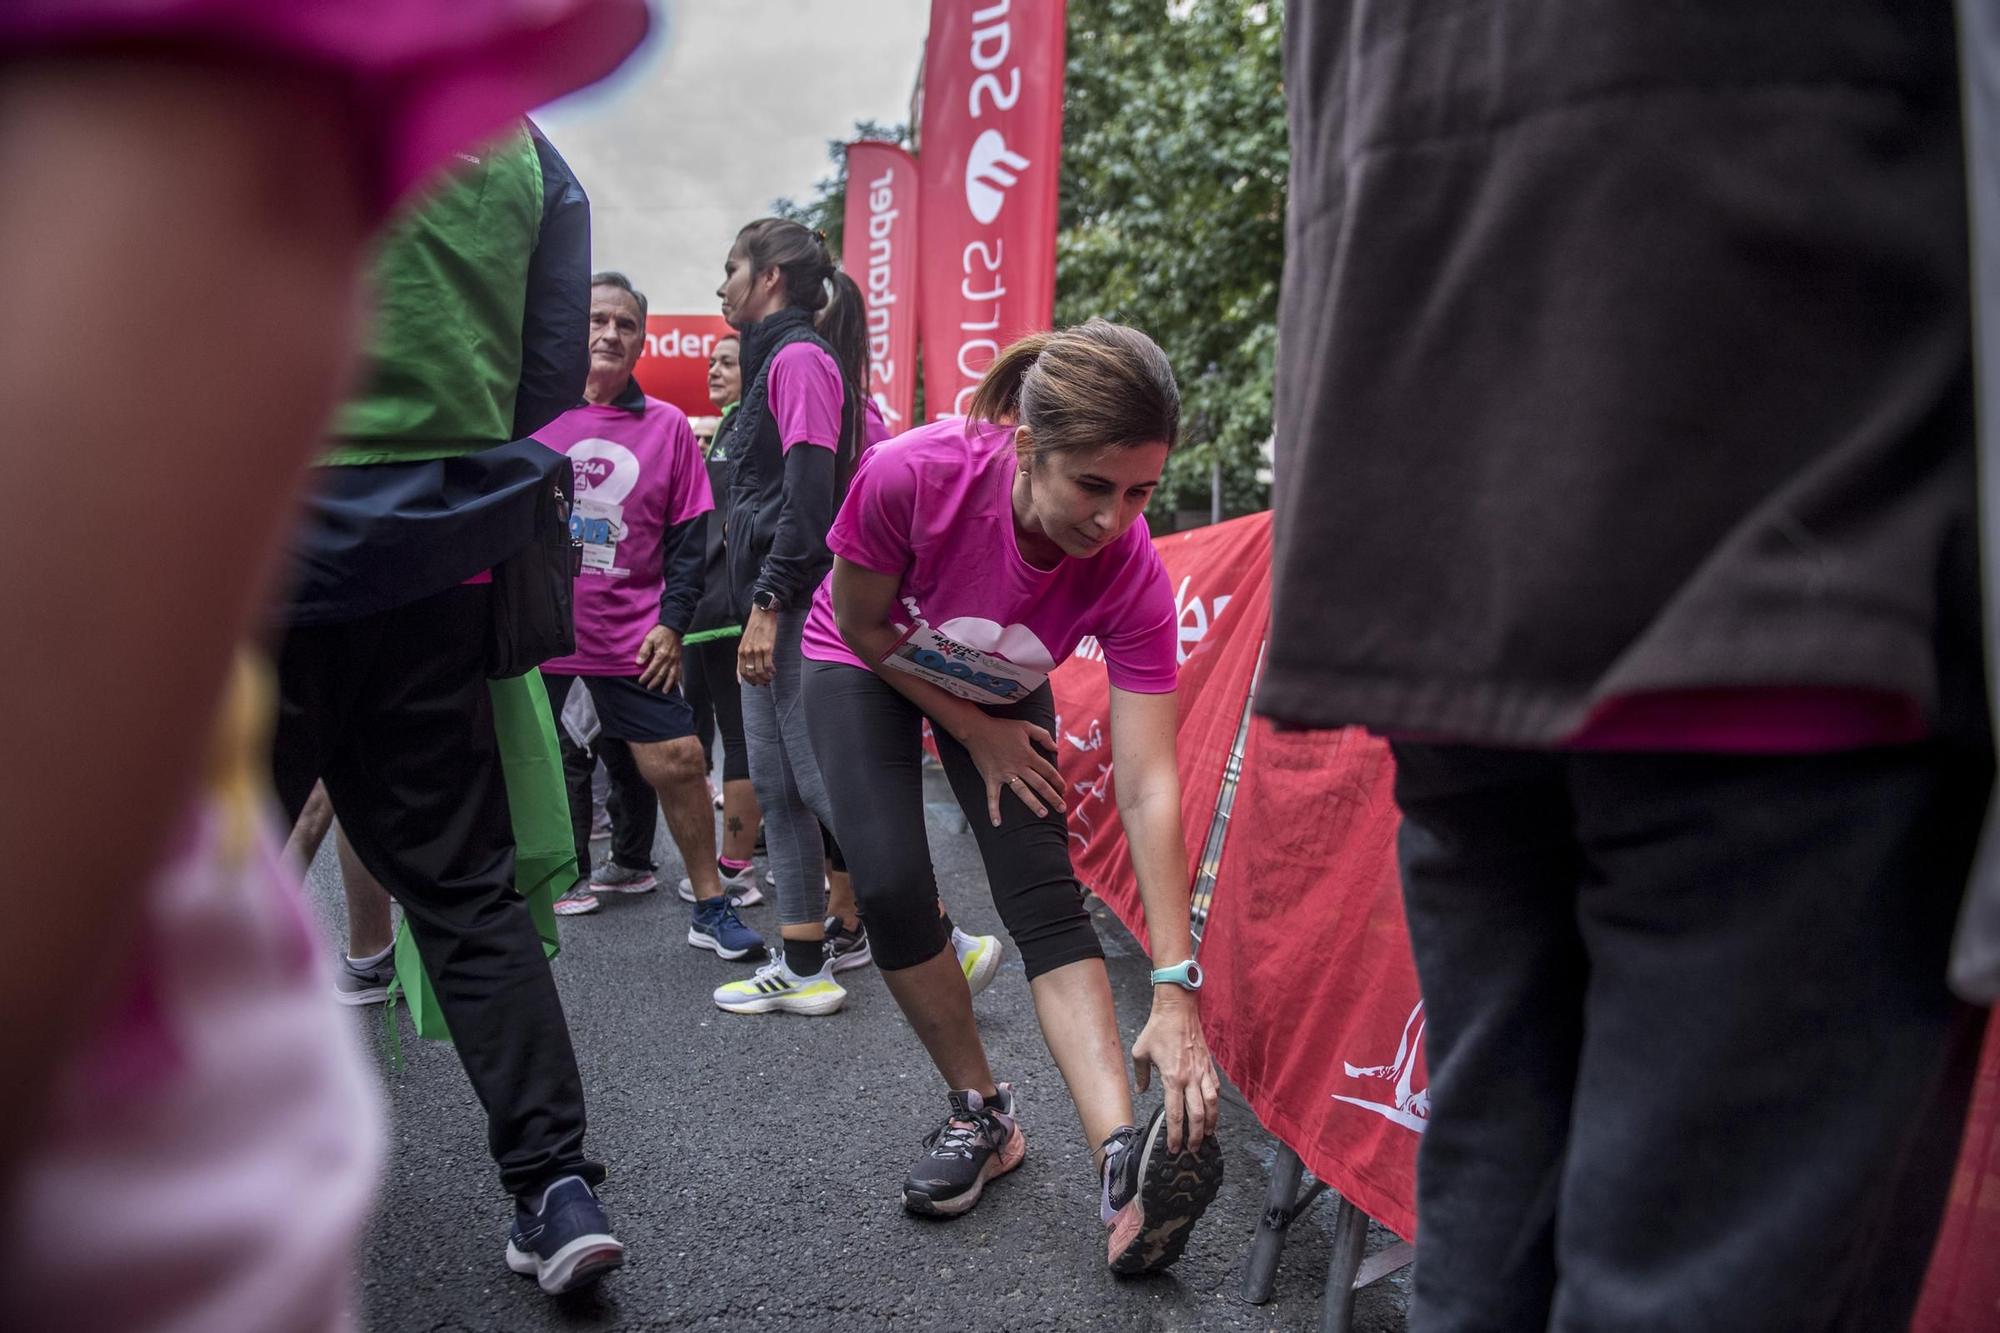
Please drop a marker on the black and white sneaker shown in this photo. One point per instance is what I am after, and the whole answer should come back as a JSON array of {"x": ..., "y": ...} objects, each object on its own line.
[
  {"x": 1152, "y": 1197},
  {"x": 847, "y": 949},
  {"x": 564, "y": 1243},
  {"x": 978, "y": 1141}
]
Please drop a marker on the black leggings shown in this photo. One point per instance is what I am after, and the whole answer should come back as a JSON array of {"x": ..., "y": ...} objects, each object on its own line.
[
  {"x": 717, "y": 699},
  {"x": 869, "y": 741}
]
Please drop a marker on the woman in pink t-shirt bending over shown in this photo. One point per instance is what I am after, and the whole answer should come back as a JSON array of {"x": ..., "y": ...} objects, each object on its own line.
[{"x": 970, "y": 557}]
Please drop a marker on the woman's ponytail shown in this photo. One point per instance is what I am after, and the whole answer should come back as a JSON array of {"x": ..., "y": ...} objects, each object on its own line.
[
  {"x": 1097, "y": 385},
  {"x": 998, "y": 397}
]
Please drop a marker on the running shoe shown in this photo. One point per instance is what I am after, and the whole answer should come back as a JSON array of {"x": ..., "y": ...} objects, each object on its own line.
[
  {"x": 357, "y": 986},
  {"x": 565, "y": 1242},
  {"x": 846, "y": 948},
  {"x": 740, "y": 887},
  {"x": 977, "y": 1141},
  {"x": 578, "y": 901},
  {"x": 978, "y": 957},
  {"x": 716, "y": 926},
  {"x": 1153, "y": 1198},
  {"x": 775, "y": 988},
  {"x": 614, "y": 878}
]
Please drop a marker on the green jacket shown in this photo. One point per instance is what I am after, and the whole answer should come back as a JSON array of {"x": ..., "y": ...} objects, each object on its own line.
[{"x": 451, "y": 289}]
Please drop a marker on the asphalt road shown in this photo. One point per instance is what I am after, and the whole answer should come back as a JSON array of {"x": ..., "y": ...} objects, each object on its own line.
[{"x": 756, "y": 1162}]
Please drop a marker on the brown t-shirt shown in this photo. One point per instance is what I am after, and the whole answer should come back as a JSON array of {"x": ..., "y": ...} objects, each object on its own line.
[{"x": 1622, "y": 351}]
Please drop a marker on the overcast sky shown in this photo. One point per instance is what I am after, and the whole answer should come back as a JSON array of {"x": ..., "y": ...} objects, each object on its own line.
[{"x": 728, "y": 107}]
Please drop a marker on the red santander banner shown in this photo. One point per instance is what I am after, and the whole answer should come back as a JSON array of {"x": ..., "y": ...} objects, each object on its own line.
[
  {"x": 992, "y": 152},
  {"x": 674, "y": 366},
  {"x": 880, "y": 254}
]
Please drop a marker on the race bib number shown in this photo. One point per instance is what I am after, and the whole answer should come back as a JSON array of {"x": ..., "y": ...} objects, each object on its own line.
[
  {"x": 599, "y": 525},
  {"x": 984, "y": 678}
]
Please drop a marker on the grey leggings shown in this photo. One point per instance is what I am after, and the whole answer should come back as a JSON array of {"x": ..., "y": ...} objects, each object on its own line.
[{"x": 787, "y": 779}]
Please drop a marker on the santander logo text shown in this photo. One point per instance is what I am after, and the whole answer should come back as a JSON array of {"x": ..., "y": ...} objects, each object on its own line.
[
  {"x": 883, "y": 211},
  {"x": 992, "y": 140},
  {"x": 990, "y": 171}
]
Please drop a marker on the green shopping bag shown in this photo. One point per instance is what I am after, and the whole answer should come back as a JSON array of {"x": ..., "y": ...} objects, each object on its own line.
[{"x": 544, "y": 846}]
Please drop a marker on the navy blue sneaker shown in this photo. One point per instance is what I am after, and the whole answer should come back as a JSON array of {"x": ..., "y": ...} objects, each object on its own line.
[
  {"x": 716, "y": 926},
  {"x": 565, "y": 1244}
]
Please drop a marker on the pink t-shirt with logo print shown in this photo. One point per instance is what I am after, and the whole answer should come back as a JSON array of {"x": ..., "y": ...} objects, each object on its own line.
[
  {"x": 934, "y": 505},
  {"x": 637, "y": 475}
]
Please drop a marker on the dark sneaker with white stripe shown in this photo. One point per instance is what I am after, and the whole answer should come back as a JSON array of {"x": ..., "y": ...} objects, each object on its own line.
[
  {"x": 1152, "y": 1197},
  {"x": 978, "y": 1141},
  {"x": 847, "y": 949},
  {"x": 717, "y": 927},
  {"x": 565, "y": 1242}
]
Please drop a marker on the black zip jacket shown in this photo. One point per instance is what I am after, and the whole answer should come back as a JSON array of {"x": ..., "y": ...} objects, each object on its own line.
[{"x": 781, "y": 503}]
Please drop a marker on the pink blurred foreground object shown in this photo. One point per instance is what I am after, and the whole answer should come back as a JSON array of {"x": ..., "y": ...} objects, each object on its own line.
[
  {"x": 211, "y": 1156},
  {"x": 428, "y": 77}
]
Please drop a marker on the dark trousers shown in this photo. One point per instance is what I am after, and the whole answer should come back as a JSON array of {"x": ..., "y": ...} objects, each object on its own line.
[
  {"x": 716, "y": 696},
  {"x": 391, "y": 712},
  {"x": 634, "y": 809},
  {"x": 1692, "y": 1061},
  {"x": 871, "y": 738},
  {"x": 633, "y": 804}
]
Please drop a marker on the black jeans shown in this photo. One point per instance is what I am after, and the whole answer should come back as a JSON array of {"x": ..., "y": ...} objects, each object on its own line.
[
  {"x": 391, "y": 712},
  {"x": 717, "y": 698},
  {"x": 632, "y": 805},
  {"x": 869, "y": 741},
  {"x": 1692, "y": 1061}
]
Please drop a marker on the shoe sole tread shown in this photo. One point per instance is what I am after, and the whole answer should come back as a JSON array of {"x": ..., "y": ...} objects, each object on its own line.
[{"x": 1174, "y": 1191}]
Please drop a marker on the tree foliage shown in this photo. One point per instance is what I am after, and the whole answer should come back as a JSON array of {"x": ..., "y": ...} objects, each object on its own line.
[
  {"x": 1172, "y": 212},
  {"x": 1171, "y": 216}
]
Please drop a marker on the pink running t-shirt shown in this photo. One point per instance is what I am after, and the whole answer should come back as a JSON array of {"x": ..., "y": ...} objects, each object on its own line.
[
  {"x": 805, "y": 393},
  {"x": 637, "y": 474},
  {"x": 875, "y": 427},
  {"x": 935, "y": 506}
]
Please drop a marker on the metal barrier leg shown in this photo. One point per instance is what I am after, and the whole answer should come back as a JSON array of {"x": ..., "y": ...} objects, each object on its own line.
[
  {"x": 1283, "y": 1202},
  {"x": 1350, "y": 1238}
]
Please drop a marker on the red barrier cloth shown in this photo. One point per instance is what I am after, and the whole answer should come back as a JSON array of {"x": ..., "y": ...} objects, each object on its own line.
[
  {"x": 1309, "y": 970},
  {"x": 1222, "y": 591},
  {"x": 674, "y": 366},
  {"x": 991, "y": 154},
  {"x": 1319, "y": 1019},
  {"x": 1962, "y": 1293},
  {"x": 879, "y": 251}
]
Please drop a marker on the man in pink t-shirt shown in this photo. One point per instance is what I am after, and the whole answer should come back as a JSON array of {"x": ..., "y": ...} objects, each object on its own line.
[{"x": 642, "y": 500}]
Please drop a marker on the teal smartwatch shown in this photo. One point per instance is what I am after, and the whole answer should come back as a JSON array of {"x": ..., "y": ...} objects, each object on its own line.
[{"x": 1185, "y": 975}]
